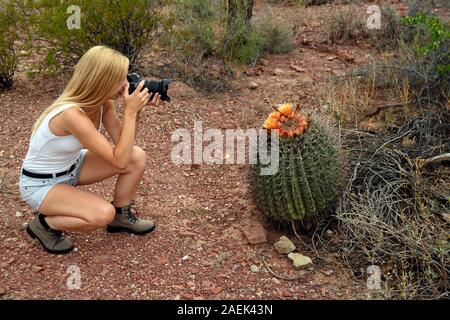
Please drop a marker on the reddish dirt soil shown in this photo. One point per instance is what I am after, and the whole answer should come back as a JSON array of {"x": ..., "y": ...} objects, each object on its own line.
[{"x": 199, "y": 250}]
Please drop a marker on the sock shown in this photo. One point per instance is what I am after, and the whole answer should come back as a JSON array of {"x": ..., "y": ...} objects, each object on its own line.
[
  {"x": 118, "y": 210},
  {"x": 41, "y": 218}
]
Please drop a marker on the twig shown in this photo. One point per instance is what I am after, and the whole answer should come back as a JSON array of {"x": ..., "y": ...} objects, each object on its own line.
[
  {"x": 384, "y": 107},
  {"x": 439, "y": 158},
  {"x": 276, "y": 274}
]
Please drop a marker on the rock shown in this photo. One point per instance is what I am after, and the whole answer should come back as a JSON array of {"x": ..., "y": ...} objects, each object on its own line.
[
  {"x": 299, "y": 261},
  {"x": 254, "y": 268},
  {"x": 215, "y": 290},
  {"x": 254, "y": 232},
  {"x": 191, "y": 285},
  {"x": 36, "y": 269},
  {"x": 187, "y": 234},
  {"x": 305, "y": 78},
  {"x": 297, "y": 68},
  {"x": 263, "y": 61},
  {"x": 287, "y": 294},
  {"x": 284, "y": 245},
  {"x": 277, "y": 71},
  {"x": 328, "y": 272},
  {"x": 185, "y": 258},
  {"x": 253, "y": 85},
  {"x": 19, "y": 214},
  {"x": 345, "y": 55},
  {"x": 187, "y": 296}
]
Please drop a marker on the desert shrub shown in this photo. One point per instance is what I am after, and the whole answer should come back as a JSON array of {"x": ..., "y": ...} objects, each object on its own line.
[
  {"x": 347, "y": 24},
  {"x": 277, "y": 36},
  {"x": 426, "y": 76},
  {"x": 9, "y": 20},
  {"x": 126, "y": 26},
  {"x": 425, "y": 32},
  {"x": 419, "y": 6},
  {"x": 390, "y": 34},
  {"x": 204, "y": 29},
  {"x": 394, "y": 211}
]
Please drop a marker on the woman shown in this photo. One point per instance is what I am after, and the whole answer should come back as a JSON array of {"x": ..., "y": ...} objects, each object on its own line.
[{"x": 67, "y": 150}]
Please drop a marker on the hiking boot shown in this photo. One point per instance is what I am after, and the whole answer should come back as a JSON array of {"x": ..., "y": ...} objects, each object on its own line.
[
  {"x": 52, "y": 240},
  {"x": 127, "y": 221}
]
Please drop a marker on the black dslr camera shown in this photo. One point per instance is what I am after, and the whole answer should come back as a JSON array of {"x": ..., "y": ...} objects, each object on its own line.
[{"x": 153, "y": 86}]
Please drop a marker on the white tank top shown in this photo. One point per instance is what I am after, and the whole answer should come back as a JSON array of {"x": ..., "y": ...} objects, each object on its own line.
[{"x": 49, "y": 153}]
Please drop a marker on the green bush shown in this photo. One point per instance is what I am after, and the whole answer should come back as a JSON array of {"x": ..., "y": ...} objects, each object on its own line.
[
  {"x": 426, "y": 32},
  {"x": 278, "y": 37},
  {"x": 9, "y": 19},
  {"x": 204, "y": 29},
  {"x": 124, "y": 25}
]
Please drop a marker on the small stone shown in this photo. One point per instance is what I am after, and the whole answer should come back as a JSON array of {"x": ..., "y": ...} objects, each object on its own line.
[
  {"x": 191, "y": 285},
  {"x": 253, "y": 85},
  {"x": 215, "y": 289},
  {"x": 284, "y": 245},
  {"x": 254, "y": 232},
  {"x": 185, "y": 258},
  {"x": 254, "y": 268},
  {"x": 19, "y": 214},
  {"x": 297, "y": 68},
  {"x": 187, "y": 296},
  {"x": 328, "y": 272},
  {"x": 277, "y": 71},
  {"x": 299, "y": 261},
  {"x": 305, "y": 78},
  {"x": 187, "y": 234},
  {"x": 36, "y": 269}
]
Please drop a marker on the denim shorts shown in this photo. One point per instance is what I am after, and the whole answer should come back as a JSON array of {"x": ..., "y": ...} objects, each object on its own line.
[{"x": 34, "y": 190}]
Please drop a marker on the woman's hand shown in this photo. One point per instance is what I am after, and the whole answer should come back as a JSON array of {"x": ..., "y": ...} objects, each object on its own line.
[
  {"x": 155, "y": 101},
  {"x": 137, "y": 100}
]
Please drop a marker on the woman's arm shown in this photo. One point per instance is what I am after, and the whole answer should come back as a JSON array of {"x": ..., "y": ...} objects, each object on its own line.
[
  {"x": 84, "y": 130},
  {"x": 111, "y": 121},
  {"x": 78, "y": 123}
]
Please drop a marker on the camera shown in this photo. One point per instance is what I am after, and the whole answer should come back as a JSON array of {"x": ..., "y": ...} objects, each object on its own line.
[{"x": 153, "y": 86}]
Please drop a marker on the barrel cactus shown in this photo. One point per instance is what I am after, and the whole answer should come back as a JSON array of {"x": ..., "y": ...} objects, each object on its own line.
[{"x": 309, "y": 174}]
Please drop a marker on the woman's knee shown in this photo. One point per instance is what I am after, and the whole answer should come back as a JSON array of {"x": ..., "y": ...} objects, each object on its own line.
[
  {"x": 138, "y": 158},
  {"x": 103, "y": 215}
]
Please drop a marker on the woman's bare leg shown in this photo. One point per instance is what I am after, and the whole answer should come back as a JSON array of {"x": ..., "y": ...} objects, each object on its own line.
[
  {"x": 95, "y": 169},
  {"x": 70, "y": 209}
]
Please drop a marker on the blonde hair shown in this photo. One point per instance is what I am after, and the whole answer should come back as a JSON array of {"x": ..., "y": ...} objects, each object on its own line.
[{"x": 98, "y": 71}]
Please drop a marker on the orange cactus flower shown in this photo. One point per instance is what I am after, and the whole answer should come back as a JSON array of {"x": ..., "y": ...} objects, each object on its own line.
[
  {"x": 275, "y": 115},
  {"x": 285, "y": 108},
  {"x": 271, "y": 123},
  {"x": 298, "y": 131}
]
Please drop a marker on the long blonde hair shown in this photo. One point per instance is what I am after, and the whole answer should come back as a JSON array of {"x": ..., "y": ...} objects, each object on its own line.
[{"x": 98, "y": 71}]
